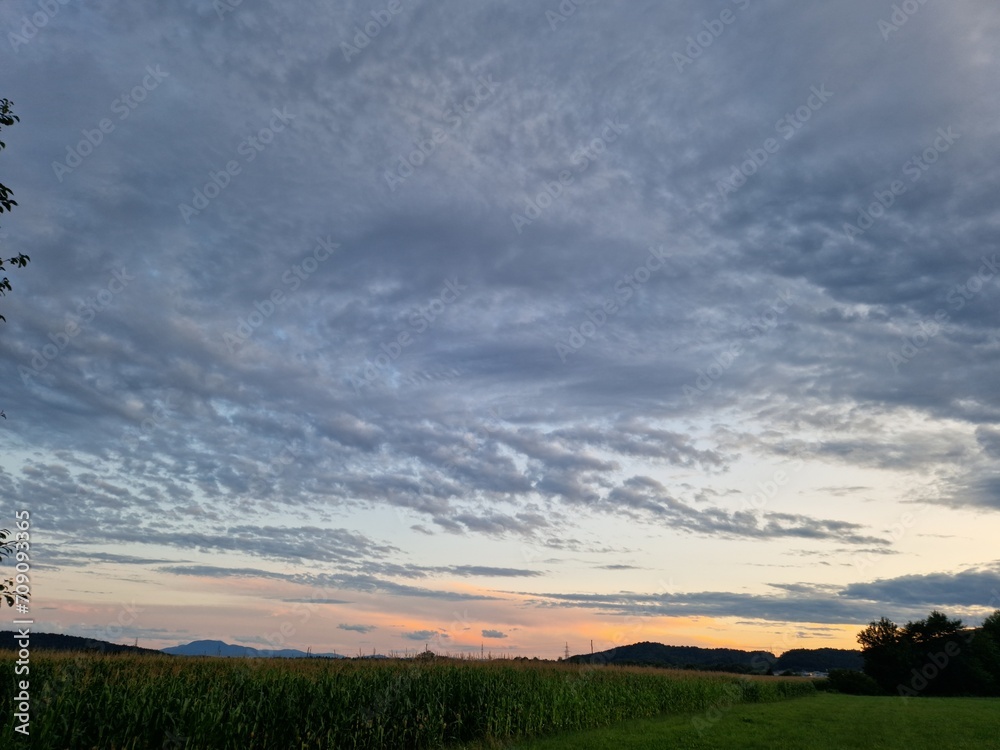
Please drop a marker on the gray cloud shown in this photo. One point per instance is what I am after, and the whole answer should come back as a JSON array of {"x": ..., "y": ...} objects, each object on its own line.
[
  {"x": 483, "y": 570},
  {"x": 645, "y": 496},
  {"x": 134, "y": 420},
  {"x": 327, "y": 581},
  {"x": 424, "y": 635},
  {"x": 357, "y": 628},
  {"x": 979, "y": 587},
  {"x": 901, "y": 598}
]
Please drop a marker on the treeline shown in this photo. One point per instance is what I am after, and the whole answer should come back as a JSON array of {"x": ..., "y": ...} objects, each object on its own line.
[
  {"x": 817, "y": 660},
  {"x": 680, "y": 657},
  {"x": 723, "y": 659},
  {"x": 933, "y": 656},
  {"x": 60, "y": 642}
]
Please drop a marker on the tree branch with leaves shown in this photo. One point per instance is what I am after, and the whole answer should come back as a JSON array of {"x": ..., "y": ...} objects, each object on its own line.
[
  {"x": 7, "y": 202},
  {"x": 8, "y": 592}
]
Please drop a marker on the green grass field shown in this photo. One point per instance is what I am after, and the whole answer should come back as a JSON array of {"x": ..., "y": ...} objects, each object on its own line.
[{"x": 827, "y": 721}]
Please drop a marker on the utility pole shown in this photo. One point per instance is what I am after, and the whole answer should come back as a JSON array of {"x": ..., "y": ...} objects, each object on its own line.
[
  {"x": 591, "y": 646},
  {"x": 567, "y": 649}
]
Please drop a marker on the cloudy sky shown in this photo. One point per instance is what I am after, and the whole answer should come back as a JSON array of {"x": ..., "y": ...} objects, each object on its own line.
[{"x": 504, "y": 324}]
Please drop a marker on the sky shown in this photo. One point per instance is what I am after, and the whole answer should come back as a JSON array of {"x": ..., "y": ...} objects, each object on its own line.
[{"x": 502, "y": 326}]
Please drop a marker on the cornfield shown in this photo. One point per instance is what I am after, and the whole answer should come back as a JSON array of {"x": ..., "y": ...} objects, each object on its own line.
[{"x": 132, "y": 702}]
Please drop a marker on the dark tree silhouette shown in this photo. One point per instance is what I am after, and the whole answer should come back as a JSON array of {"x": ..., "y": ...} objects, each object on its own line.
[
  {"x": 886, "y": 653},
  {"x": 933, "y": 656},
  {"x": 7, "y": 588},
  {"x": 7, "y": 118},
  {"x": 882, "y": 633},
  {"x": 936, "y": 625}
]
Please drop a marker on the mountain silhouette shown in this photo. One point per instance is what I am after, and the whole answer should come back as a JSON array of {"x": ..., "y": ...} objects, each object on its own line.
[{"x": 221, "y": 648}]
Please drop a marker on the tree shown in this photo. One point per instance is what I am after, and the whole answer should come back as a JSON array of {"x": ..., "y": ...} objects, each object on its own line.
[
  {"x": 991, "y": 627},
  {"x": 7, "y": 588},
  {"x": 936, "y": 625},
  {"x": 986, "y": 650},
  {"x": 882, "y": 633},
  {"x": 886, "y": 653},
  {"x": 939, "y": 652},
  {"x": 933, "y": 656},
  {"x": 7, "y": 118}
]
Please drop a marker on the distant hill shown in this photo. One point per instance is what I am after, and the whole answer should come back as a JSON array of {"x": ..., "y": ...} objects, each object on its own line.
[
  {"x": 645, "y": 654},
  {"x": 723, "y": 659},
  {"x": 819, "y": 660},
  {"x": 60, "y": 642},
  {"x": 680, "y": 657},
  {"x": 221, "y": 648}
]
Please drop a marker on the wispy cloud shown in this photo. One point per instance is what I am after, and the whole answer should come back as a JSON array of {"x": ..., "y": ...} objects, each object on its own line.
[
  {"x": 357, "y": 628},
  {"x": 243, "y": 353}
]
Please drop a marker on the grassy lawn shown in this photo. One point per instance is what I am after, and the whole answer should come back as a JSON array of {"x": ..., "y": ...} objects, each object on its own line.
[{"x": 837, "y": 722}]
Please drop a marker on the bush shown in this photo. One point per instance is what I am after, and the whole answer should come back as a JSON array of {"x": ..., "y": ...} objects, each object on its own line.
[{"x": 852, "y": 682}]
